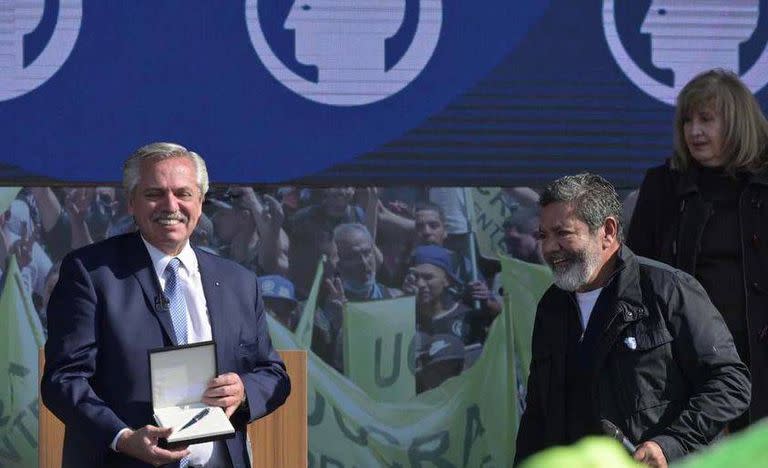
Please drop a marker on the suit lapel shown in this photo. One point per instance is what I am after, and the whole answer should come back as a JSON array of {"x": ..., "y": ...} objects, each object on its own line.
[
  {"x": 144, "y": 273},
  {"x": 213, "y": 299}
]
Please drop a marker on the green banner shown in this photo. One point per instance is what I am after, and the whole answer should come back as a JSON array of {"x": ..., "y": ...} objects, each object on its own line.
[
  {"x": 378, "y": 347},
  {"x": 469, "y": 421},
  {"x": 524, "y": 284},
  {"x": 20, "y": 337},
  {"x": 490, "y": 210}
]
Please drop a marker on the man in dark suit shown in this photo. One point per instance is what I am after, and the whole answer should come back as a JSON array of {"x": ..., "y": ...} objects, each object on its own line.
[{"x": 111, "y": 305}]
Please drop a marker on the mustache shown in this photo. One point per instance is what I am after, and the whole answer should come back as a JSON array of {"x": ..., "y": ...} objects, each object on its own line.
[
  {"x": 170, "y": 216},
  {"x": 556, "y": 257}
]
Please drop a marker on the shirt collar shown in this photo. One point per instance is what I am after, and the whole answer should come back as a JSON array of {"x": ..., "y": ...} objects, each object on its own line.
[{"x": 160, "y": 259}]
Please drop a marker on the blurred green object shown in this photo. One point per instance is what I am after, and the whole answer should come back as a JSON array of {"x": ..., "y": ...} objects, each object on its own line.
[
  {"x": 745, "y": 449},
  {"x": 590, "y": 452}
]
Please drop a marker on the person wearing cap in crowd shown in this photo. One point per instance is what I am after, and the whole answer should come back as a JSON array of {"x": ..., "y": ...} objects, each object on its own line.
[
  {"x": 279, "y": 299},
  {"x": 438, "y": 292},
  {"x": 430, "y": 229},
  {"x": 440, "y": 357}
]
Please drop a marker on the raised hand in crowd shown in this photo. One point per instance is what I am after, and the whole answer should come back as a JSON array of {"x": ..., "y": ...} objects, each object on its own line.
[
  {"x": 398, "y": 207},
  {"x": 77, "y": 203},
  {"x": 334, "y": 292},
  {"x": 269, "y": 214},
  {"x": 48, "y": 206},
  {"x": 269, "y": 217},
  {"x": 22, "y": 248},
  {"x": 369, "y": 199}
]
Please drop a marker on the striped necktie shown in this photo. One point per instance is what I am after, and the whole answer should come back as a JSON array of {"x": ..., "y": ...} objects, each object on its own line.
[{"x": 178, "y": 306}]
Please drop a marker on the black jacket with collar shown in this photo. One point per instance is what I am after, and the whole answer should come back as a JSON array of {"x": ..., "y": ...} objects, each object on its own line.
[
  {"x": 664, "y": 366},
  {"x": 667, "y": 225}
]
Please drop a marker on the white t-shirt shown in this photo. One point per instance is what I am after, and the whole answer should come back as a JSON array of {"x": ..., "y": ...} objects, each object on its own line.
[{"x": 587, "y": 302}]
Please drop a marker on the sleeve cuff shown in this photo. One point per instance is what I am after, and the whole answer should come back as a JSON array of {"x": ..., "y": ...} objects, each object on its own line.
[
  {"x": 671, "y": 447},
  {"x": 113, "y": 445}
]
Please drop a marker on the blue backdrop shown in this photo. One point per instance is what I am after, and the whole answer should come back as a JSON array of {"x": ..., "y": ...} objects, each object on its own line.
[{"x": 505, "y": 92}]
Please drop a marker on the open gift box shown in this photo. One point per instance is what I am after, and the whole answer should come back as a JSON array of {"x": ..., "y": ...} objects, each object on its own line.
[{"x": 179, "y": 377}]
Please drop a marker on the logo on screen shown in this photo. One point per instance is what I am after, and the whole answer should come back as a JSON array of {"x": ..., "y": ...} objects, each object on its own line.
[
  {"x": 36, "y": 38},
  {"x": 688, "y": 37},
  {"x": 337, "y": 50}
]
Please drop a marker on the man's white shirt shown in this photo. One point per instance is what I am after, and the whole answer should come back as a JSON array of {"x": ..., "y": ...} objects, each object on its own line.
[{"x": 587, "y": 302}]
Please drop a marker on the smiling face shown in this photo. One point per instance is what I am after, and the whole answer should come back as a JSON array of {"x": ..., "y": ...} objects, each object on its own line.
[
  {"x": 572, "y": 252},
  {"x": 703, "y": 130},
  {"x": 167, "y": 202}
]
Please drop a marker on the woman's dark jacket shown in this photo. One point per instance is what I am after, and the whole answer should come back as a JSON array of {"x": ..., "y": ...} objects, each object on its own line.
[
  {"x": 662, "y": 364},
  {"x": 667, "y": 225}
]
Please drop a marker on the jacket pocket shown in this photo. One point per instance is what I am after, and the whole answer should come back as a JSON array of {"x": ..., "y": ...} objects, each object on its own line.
[
  {"x": 644, "y": 365},
  {"x": 248, "y": 355}
]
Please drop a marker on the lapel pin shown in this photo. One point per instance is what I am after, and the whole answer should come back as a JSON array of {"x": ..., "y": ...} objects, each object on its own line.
[{"x": 631, "y": 342}]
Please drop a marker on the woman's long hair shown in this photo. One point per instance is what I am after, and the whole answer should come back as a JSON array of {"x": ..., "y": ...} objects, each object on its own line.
[{"x": 745, "y": 129}]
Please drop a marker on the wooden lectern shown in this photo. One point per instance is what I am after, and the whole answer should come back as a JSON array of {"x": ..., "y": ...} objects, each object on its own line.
[{"x": 278, "y": 440}]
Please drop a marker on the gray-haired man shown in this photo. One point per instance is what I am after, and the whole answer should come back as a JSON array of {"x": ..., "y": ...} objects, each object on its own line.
[{"x": 633, "y": 341}]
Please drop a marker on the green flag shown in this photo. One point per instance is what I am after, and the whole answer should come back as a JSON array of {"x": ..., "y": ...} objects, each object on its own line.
[
  {"x": 524, "y": 283},
  {"x": 307, "y": 320},
  {"x": 378, "y": 347},
  {"x": 7, "y": 195},
  {"x": 20, "y": 338}
]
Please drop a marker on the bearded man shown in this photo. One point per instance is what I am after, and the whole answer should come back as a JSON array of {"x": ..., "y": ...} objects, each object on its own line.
[{"x": 623, "y": 339}]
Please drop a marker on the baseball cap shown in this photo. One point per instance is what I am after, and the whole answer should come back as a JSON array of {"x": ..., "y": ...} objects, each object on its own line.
[{"x": 277, "y": 287}]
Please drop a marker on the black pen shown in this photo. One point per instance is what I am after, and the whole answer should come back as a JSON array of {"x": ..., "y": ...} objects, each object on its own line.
[{"x": 197, "y": 418}]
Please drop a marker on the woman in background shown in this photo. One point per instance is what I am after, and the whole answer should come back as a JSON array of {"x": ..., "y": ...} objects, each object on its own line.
[{"x": 706, "y": 212}]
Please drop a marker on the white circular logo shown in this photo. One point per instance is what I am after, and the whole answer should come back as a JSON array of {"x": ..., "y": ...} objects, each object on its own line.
[
  {"x": 345, "y": 40},
  {"x": 19, "y": 18},
  {"x": 689, "y": 37}
]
